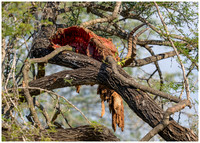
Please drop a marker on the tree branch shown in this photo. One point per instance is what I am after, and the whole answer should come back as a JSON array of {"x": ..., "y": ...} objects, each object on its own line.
[
  {"x": 130, "y": 15},
  {"x": 176, "y": 51},
  {"x": 132, "y": 82},
  {"x": 124, "y": 35},
  {"x": 181, "y": 105},
  {"x": 157, "y": 67},
  {"x": 26, "y": 79},
  {"x": 98, "y": 73},
  {"x": 81, "y": 133},
  {"x": 28, "y": 97},
  {"x": 132, "y": 40},
  {"x": 151, "y": 59},
  {"x": 57, "y": 81},
  {"x": 107, "y": 19}
]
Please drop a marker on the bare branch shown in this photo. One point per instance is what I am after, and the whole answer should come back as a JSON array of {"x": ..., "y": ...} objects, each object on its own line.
[
  {"x": 101, "y": 20},
  {"x": 124, "y": 35},
  {"x": 151, "y": 59},
  {"x": 44, "y": 112},
  {"x": 37, "y": 88},
  {"x": 157, "y": 67},
  {"x": 26, "y": 79},
  {"x": 132, "y": 82},
  {"x": 51, "y": 55},
  {"x": 30, "y": 99},
  {"x": 181, "y": 105},
  {"x": 130, "y": 57},
  {"x": 176, "y": 51},
  {"x": 55, "y": 81}
]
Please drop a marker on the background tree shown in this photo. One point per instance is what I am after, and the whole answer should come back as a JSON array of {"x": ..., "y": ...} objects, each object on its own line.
[{"x": 166, "y": 59}]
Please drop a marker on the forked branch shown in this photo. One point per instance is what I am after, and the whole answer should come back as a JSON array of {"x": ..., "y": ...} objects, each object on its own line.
[
  {"x": 181, "y": 105},
  {"x": 132, "y": 42},
  {"x": 28, "y": 97},
  {"x": 133, "y": 83},
  {"x": 186, "y": 82},
  {"x": 107, "y": 19}
]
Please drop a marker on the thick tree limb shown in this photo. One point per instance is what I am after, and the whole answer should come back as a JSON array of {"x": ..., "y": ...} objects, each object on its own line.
[
  {"x": 65, "y": 79},
  {"x": 82, "y": 133},
  {"x": 131, "y": 81},
  {"x": 98, "y": 73}
]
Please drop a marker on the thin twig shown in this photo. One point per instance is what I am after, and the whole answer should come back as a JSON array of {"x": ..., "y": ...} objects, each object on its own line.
[
  {"x": 26, "y": 80},
  {"x": 44, "y": 112},
  {"x": 175, "y": 49},
  {"x": 55, "y": 110},
  {"x": 59, "y": 97},
  {"x": 157, "y": 66},
  {"x": 64, "y": 116}
]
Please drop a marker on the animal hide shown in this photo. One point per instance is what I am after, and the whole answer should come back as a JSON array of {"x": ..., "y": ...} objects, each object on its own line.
[{"x": 86, "y": 42}]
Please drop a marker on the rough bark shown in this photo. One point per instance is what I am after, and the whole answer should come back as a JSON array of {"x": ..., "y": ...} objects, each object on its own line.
[
  {"x": 96, "y": 72},
  {"x": 81, "y": 133},
  {"x": 90, "y": 71}
]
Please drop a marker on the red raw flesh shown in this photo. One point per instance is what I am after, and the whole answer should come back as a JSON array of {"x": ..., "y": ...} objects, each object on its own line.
[{"x": 79, "y": 38}]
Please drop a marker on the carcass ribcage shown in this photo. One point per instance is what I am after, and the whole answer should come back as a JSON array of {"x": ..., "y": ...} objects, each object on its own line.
[{"x": 86, "y": 42}]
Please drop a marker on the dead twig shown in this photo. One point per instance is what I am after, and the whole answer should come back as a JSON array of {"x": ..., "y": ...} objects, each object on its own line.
[{"x": 156, "y": 65}]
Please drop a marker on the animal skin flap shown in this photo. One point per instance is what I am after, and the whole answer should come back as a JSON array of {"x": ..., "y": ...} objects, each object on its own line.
[{"x": 86, "y": 42}]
